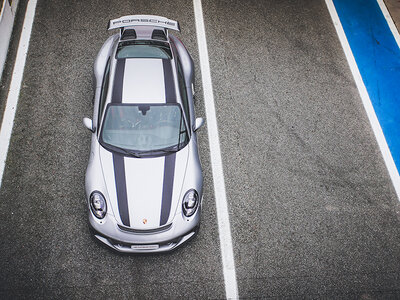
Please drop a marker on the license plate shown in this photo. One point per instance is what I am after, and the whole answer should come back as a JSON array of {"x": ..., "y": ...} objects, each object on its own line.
[{"x": 145, "y": 247}]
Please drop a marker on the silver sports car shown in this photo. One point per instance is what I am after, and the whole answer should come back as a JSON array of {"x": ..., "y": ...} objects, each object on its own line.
[{"x": 144, "y": 180}]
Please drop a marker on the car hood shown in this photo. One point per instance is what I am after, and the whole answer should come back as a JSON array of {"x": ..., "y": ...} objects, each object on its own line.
[{"x": 144, "y": 192}]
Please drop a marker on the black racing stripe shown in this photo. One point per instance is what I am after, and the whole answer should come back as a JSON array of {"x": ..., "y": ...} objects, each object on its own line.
[
  {"x": 168, "y": 184},
  {"x": 120, "y": 184},
  {"x": 170, "y": 96},
  {"x": 118, "y": 159},
  {"x": 118, "y": 81}
]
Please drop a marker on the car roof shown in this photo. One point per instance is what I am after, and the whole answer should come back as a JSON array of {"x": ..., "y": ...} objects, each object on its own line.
[{"x": 142, "y": 80}]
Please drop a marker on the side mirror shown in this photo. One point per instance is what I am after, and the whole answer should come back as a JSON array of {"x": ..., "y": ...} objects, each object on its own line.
[
  {"x": 88, "y": 124},
  {"x": 198, "y": 124}
]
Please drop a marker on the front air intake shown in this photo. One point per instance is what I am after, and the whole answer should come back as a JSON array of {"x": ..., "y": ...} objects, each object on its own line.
[{"x": 145, "y": 231}]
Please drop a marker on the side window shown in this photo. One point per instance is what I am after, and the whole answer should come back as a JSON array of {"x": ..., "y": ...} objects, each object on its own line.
[
  {"x": 183, "y": 93},
  {"x": 104, "y": 90}
]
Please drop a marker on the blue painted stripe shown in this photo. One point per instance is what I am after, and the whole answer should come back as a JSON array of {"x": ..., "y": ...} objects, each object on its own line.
[{"x": 378, "y": 58}]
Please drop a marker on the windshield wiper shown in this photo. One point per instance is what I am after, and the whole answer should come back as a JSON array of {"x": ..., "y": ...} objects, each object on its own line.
[
  {"x": 168, "y": 150},
  {"x": 125, "y": 151}
]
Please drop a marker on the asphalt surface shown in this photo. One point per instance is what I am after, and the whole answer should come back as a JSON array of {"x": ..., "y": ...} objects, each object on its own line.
[
  {"x": 312, "y": 209},
  {"x": 393, "y": 7}
]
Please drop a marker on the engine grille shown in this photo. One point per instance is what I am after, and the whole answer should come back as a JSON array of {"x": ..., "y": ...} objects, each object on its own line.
[
  {"x": 158, "y": 35},
  {"x": 128, "y": 34}
]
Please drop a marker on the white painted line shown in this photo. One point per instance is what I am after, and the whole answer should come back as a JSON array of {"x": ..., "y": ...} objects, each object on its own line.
[
  {"x": 224, "y": 228},
  {"x": 15, "y": 85},
  {"x": 390, "y": 22},
  {"x": 376, "y": 127}
]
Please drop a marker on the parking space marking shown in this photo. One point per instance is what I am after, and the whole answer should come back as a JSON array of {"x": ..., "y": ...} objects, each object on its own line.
[
  {"x": 15, "y": 85},
  {"x": 224, "y": 229},
  {"x": 376, "y": 127}
]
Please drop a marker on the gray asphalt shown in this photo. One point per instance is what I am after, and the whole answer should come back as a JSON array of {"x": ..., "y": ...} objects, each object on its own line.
[
  {"x": 47, "y": 250},
  {"x": 312, "y": 209}
]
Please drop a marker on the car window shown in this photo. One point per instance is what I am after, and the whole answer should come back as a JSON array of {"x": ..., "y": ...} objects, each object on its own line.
[
  {"x": 143, "y": 49},
  {"x": 182, "y": 89},
  {"x": 143, "y": 127},
  {"x": 104, "y": 90}
]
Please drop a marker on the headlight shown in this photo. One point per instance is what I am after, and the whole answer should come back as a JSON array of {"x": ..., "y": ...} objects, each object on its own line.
[
  {"x": 98, "y": 205},
  {"x": 190, "y": 203}
]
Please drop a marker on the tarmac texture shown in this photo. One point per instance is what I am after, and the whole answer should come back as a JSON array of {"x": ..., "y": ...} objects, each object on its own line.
[
  {"x": 312, "y": 209},
  {"x": 393, "y": 7}
]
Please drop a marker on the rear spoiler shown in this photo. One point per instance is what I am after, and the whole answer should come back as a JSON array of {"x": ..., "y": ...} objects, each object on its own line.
[{"x": 143, "y": 20}]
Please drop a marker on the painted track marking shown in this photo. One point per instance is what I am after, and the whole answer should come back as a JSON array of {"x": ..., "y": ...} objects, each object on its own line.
[
  {"x": 224, "y": 229},
  {"x": 376, "y": 127},
  {"x": 15, "y": 85}
]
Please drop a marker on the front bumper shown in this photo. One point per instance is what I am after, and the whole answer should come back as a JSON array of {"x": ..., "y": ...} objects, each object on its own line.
[
  {"x": 110, "y": 233},
  {"x": 145, "y": 248}
]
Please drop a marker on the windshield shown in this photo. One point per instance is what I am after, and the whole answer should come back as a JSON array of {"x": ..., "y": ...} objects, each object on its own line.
[{"x": 139, "y": 128}]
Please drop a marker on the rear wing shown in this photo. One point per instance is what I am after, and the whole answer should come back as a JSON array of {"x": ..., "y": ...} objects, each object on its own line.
[{"x": 143, "y": 20}]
